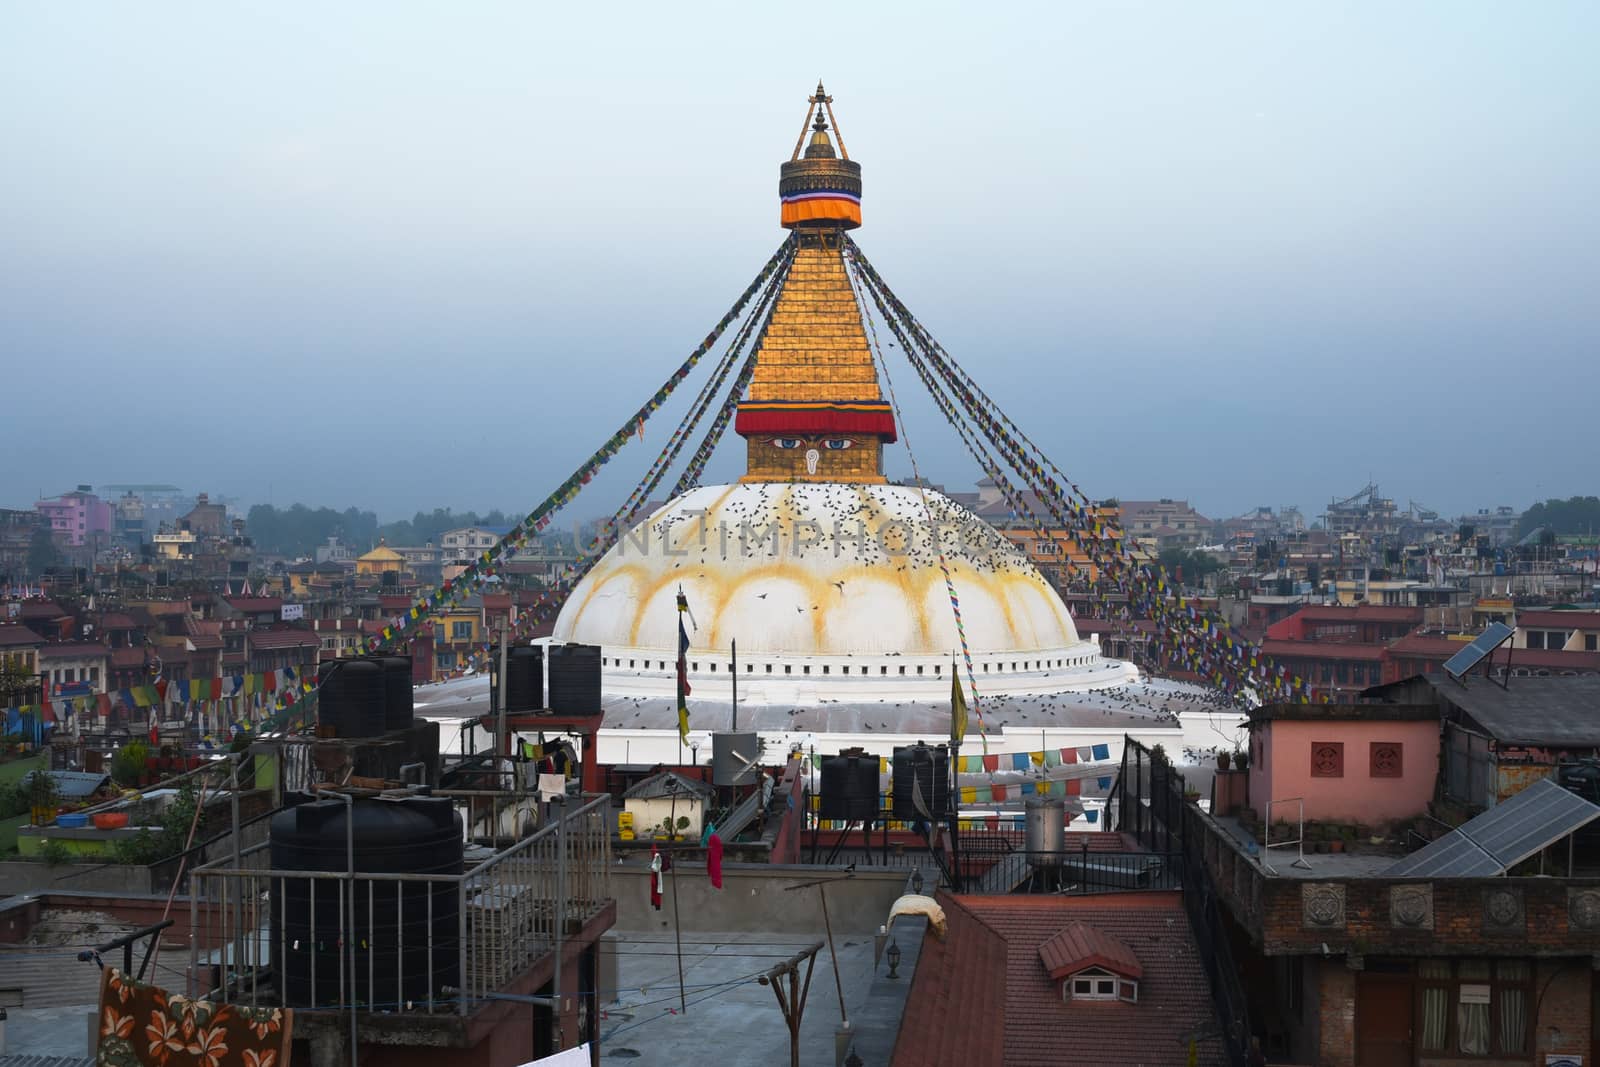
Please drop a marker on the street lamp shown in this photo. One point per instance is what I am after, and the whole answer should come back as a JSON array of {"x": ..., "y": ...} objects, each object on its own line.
[
  {"x": 894, "y": 959},
  {"x": 694, "y": 752}
]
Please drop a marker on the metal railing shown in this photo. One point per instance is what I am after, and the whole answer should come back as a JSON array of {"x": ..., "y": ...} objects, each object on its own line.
[
  {"x": 1150, "y": 804},
  {"x": 395, "y": 942}
]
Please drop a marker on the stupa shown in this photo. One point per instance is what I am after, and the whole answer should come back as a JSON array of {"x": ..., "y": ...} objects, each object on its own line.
[
  {"x": 830, "y": 579},
  {"x": 838, "y": 586}
]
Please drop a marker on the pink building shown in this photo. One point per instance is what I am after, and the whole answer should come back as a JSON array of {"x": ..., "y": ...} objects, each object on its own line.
[
  {"x": 76, "y": 518},
  {"x": 1347, "y": 763}
]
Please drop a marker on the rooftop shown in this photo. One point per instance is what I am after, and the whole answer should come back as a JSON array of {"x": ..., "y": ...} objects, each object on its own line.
[
  {"x": 984, "y": 996},
  {"x": 15, "y": 635},
  {"x": 72, "y": 650},
  {"x": 1559, "y": 712}
]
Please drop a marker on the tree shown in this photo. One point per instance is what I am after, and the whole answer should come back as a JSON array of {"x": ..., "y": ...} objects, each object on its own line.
[
  {"x": 42, "y": 552},
  {"x": 1575, "y": 515},
  {"x": 1196, "y": 565},
  {"x": 17, "y": 683}
]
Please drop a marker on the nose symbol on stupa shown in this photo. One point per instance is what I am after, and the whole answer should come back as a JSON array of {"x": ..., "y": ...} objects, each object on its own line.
[{"x": 812, "y": 456}]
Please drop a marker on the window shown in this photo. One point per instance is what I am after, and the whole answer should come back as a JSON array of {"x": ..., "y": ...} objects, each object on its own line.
[
  {"x": 1096, "y": 983},
  {"x": 1591, "y": 642},
  {"x": 1386, "y": 759},
  {"x": 1327, "y": 759},
  {"x": 1536, "y": 639},
  {"x": 461, "y": 630},
  {"x": 1476, "y": 1007}
]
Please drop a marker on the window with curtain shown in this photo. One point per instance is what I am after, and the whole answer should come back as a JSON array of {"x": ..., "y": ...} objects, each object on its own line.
[{"x": 1475, "y": 1007}]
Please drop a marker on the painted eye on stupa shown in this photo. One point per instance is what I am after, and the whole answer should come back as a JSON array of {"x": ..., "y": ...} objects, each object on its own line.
[
  {"x": 837, "y": 444},
  {"x": 787, "y": 442}
]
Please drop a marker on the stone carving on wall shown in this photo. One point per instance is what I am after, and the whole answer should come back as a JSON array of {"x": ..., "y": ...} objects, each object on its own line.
[
  {"x": 1322, "y": 905},
  {"x": 1411, "y": 906},
  {"x": 1583, "y": 909},
  {"x": 1503, "y": 911}
]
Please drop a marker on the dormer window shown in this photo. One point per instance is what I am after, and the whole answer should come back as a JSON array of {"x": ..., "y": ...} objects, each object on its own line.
[
  {"x": 1091, "y": 965},
  {"x": 1096, "y": 983}
]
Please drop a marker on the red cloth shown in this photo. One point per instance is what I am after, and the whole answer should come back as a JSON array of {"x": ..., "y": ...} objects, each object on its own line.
[
  {"x": 714, "y": 861},
  {"x": 216, "y": 689},
  {"x": 657, "y": 863}
]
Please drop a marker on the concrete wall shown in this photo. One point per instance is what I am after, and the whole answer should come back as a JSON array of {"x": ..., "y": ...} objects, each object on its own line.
[
  {"x": 20, "y": 876},
  {"x": 1281, "y": 769},
  {"x": 756, "y": 897}
]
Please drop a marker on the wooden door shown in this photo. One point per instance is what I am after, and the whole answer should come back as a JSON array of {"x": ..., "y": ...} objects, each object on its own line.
[{"x": 1384, "y": 1006}]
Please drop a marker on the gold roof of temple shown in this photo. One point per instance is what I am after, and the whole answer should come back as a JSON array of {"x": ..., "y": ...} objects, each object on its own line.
[{"x": 814, "y": 393}]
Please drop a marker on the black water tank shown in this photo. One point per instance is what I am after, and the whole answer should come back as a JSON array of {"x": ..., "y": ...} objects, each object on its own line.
[
  {"x": 351, "y": 697},
  {"x": 524, "y": 687},
  {"x": 397, "y": 705},
  {"x": 929, "y": 767},
  {"x": 418, "y": 835},
  {"x": 850, "y": 787},
  {"x": 575, "y": 679}
]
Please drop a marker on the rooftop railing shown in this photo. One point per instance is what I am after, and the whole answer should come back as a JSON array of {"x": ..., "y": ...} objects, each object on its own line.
[{"x": 396, "y": 942}]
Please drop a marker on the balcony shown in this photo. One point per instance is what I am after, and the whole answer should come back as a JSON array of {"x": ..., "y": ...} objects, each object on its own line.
[{"x": 410, "y": 959}]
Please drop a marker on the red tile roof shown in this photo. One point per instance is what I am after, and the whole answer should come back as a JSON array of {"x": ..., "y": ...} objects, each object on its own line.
[
  {"x": 117, "y": 620},
  {"x": 1080, "y": 945},
  {"x": 966, "y": 996},
  {"x": 1321, "y": 650},
  {"x": 955, "y": 1013},
  {"x": 15, "y": 635},
  {"x": 1432, "y": 647},
  {"x": 73, "y": 650},
  {"x": 122, "y": 658},
  {"x": 1559, "y": 620},
  {"x": 1360, "y": 613},
  {"x": 270, "y": 639},
  {"x": 254, "y": 603},
  {"x": 40, "y": 609}
]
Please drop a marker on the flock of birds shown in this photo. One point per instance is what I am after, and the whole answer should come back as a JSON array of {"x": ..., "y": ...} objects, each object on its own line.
[{"x": 869, "y": 526}]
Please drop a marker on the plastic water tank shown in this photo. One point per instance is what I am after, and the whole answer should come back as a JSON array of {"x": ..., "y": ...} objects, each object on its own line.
[
  {"x": 525, "y": 678},
  {"x": 575, "y": 679},
  {"x": 392, "y": 920},
  {"x": 351, "y": 697},
  {"x": 850, "y": 787},
  {"x": 398, "y": 708},
  {"x": 928, "y": 766},
  {"x": 1044, "y": 832}
]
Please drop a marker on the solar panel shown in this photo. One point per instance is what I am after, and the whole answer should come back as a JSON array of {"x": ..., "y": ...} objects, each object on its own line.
[
  {"x": 1452, "y": 856},
  {"x": 1503, "y": 836},
  {"x": 1493, "y": 636}
]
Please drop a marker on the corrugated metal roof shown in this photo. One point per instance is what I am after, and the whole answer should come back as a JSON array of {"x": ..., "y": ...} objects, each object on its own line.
[
  {"x": 1557, "y": 712},
  {"x": 73, "y": 785}
]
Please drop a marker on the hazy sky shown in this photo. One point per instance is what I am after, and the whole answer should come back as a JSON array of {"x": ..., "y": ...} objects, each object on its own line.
[{"x": 408, "y": 255}]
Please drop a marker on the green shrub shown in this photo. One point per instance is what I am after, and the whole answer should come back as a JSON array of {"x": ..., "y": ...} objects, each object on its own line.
[
  {"x": 127, "y": 766},
  {"x": 152, "y": 846},
  {"x": 54, "y": 854}
]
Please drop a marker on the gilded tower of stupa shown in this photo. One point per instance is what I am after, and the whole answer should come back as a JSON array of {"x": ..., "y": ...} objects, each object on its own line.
[{"x": 814, "y": 411}]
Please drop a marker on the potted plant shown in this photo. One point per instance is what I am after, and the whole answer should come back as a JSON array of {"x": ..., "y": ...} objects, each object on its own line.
[
  {"x": 1224, "y": 759},
  {"x": 1241, "y": 759},
  {"x": 683, "y": 824}
]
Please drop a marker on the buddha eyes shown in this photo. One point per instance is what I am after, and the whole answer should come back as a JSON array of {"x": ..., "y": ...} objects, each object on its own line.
[{"x": 832, "y": 444}]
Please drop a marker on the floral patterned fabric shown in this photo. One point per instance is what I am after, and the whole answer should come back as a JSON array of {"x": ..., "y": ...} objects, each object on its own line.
[{"x": 145, "y": 1026}]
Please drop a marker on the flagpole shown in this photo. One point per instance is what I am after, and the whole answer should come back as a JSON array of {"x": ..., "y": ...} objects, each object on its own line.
[{"x": 956, "y": 732}]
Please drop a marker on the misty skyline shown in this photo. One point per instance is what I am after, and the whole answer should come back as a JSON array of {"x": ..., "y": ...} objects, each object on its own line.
[{"x": 401, "y": 257}]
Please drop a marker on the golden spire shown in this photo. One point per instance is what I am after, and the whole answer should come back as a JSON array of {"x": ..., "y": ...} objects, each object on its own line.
[{"x": 814, "y": 411}]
